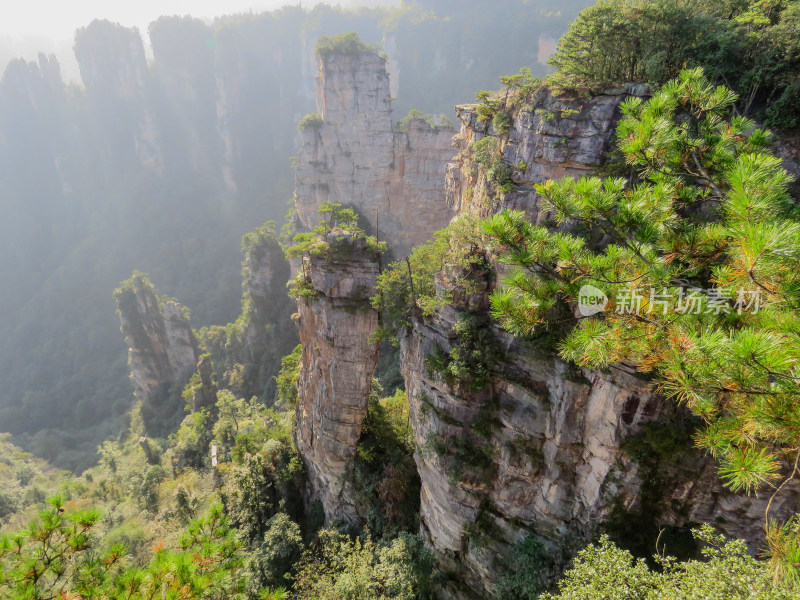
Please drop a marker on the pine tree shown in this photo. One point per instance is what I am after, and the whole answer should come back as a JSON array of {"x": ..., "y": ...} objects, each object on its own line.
[{"x": 697, "y": 249}]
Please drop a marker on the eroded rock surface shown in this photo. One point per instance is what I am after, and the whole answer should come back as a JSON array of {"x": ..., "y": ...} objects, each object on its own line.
[
  {"x": 162, "y": 346},
  {"x": 392, "y": 178},
  {"x": 543, "y": 449},
  {"x": 550, "y": 137},
  {"x": 338, "y": 361}
]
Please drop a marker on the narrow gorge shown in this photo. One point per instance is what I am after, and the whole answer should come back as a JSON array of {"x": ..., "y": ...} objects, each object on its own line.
[
  {"x": 519, "y": 445},
  {"x": 538, "y": 447}
]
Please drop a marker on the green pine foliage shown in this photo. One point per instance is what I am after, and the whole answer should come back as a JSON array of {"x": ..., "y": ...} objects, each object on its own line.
[
  {"x": 310, "y": 121},
  {"x": 342, "y": 567},
  {"x": 603, "y": 571},
  {"x": 344, "y": 43},
  {"x": 697, "y": 253},
  {"x": 60, "y": 555},
  {"x": 751, "y": 46},
  {"x": 155, "y": 519},
  {"x": 409, "y": 286},
  {"x": 385, "y": 480},
  {"x": 332, "y": 237},
  {"x": 286, "y": 380}
]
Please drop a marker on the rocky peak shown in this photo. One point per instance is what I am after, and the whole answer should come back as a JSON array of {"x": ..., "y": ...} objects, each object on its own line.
[
  {"x": 162, "y": 346},
  {"x": 549, "y": 137},
  {"x": 247, "y": 353},
  {"x": 111, "y": 59},
  {"x": 540, "y": 447},
  {"x": 353, "y": 92},
  {"x": 335, "y": 323},
  {"x": 204, "y": 395},
  {"x": 354, "y": 157}
]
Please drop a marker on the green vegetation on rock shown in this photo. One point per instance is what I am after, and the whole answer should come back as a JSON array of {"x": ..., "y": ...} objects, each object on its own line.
[
  {"x": 749, "y": 45},
  {"x": 703, "y": 219}
]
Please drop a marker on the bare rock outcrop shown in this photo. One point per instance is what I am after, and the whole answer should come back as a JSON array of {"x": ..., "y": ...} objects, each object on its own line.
[
  {"x": 544, "y": 448},
  {"x": 205, "y": 394},
  {"x": 252, "y": 346},
  {"x": 536, "y": 446},
  {"x": 335, "y": 322},
  {"x": 353, "y": 155},
  {"x": 550, "y": 137},
  {"x": 162, "y": 346},
  {"x": 541, "y": 447}
]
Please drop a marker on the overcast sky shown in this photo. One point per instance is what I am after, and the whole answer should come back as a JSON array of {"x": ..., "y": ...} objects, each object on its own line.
[{"x": 31, "y": 26}]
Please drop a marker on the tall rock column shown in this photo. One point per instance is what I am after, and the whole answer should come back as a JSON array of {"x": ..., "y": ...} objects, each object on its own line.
[
  {"x": 355, "y": 157},
  {"x": 335, "y": 320},
  {"x": 162, "y": 348},
  {"x": 538, "y": 447}
]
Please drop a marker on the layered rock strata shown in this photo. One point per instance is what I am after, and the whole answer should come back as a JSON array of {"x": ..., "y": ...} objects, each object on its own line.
[
  {"x": 550, "y": 137},
  {"x": 393, "y": 179},
  {"x": 543, "y": 449},
  {"x": 335, "y": 322},
  {"x": 355, "y": 157},
  {"x": 540, "y": 448},
  {"x": 162, "y": 346}
]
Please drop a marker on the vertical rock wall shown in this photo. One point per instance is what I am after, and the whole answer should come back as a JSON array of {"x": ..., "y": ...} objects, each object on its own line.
[
  {"x": 393, "y": 178},
  {"x": 338, "y": 361},
  {"x": 542, "y": 448},
  {"x": 550, "y": 137},
  {"x": 162, "y": 347}
]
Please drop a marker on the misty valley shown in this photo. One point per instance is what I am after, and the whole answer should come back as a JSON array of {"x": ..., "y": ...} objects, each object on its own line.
[{"x": 448, "y": 300}]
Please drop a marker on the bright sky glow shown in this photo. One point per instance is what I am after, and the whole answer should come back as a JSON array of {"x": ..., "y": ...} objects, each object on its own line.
[
  {"x": 58, "y": 19},
  {"x": 31, "y": 26}
]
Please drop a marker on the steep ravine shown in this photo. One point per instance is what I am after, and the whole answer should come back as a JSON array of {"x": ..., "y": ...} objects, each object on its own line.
[
  {"x": 354, "y": 157},
  {"x": 538, "y": 447}
]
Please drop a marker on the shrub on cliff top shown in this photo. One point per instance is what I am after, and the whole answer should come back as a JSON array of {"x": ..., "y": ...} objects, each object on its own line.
[
  {"x": 310, "y": 121},
  {"x": 344, "y": 43},
  {"x": 336, "y": 220},
  {"x": 409, "y": 285},
  {"x": 749, "y": 45}
]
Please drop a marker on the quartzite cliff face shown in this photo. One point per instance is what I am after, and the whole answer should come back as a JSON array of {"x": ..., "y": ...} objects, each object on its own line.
[
  {"x": 550, "y": 137},
  {"x": 337, "y": 365},
  {"x": 392, "y": 178},
  {"x": 162, "y": 347},
  {"x": 543, "y": 448}
]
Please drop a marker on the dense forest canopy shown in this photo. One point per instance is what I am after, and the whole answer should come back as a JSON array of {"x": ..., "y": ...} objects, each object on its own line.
[{"x": 750, "y": 47}]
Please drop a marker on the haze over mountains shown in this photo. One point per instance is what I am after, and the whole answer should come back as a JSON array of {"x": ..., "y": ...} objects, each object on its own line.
[{"x": 162, "y": 165}]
